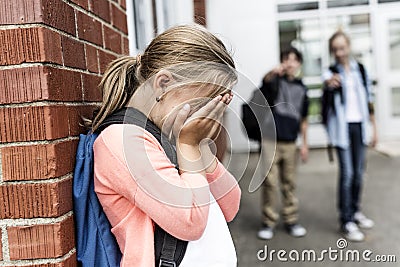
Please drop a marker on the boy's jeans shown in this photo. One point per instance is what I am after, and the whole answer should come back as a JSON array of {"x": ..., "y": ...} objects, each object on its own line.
[{"x": 351, "y": 168}]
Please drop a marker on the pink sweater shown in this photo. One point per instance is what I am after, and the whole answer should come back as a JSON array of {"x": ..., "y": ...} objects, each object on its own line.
[{"x": 132, "y": 210}]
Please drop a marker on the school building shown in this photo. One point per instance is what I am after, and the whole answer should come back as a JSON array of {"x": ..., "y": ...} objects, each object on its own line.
[
  {"x": 257, "y": 30},
  {"x": 52, "y": 56}
]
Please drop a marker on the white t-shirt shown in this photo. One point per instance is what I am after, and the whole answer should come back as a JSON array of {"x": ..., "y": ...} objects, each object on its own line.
[
  {"x": 215, "y": 247},
  {"x": 353, "y": 109}
]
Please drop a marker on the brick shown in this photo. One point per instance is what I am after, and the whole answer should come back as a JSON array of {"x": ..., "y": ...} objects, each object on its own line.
[
  {"x": 36, "y": 200},
  {"x": 73, "y": 53},
  {"x": 91, "y": 90},
  {"x": 60, "y": 15},
  {"x": 119, "y": 19},
  {"x": 42, "y": 122},
  {"x": 32, "y": 123},
  {"x": 37, "y": 83},
  {"x": 41, "y": 241},
  {"x": 50, "y": 44},
  {"x": 122, "y": 3},
  {"x": 20, "y": 11},
  {"x": 89, "y": 29},
  {"x": 22, "y": 85},
  {"x": 92, "y": 63},
  {"x": 104, "y": 59},
  {"x": 200, "y": 11},
  {"x": 101, "y": 8},
  {"x": 33, "y": 162},
  {"x": 112, "y": 40},
  {"x": 82, "y": 3},
  {"x": 125, "y": 49},
  {"x": 76, "y": 114},
  {"x": 29, "y": 45},
  {"x": 39, "y": 11},
  {"x": 62, "y": 84}
]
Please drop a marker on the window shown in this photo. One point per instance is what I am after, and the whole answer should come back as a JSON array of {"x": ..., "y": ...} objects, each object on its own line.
[
  {"x": 344, "y": 3},
  {"x": 387, "y": 1},
  {"x": 394, "y": 42},
  {"x": 304, "y": 35},
  {"x": 396, "y": 101},
  {"x": 297, "y": 7},
  {"x": 140, "y": 24},
  {"x": 308, "y": 30}
]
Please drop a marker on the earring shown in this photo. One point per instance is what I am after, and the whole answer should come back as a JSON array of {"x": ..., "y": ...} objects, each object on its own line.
[{"x": 158, "y": 98}]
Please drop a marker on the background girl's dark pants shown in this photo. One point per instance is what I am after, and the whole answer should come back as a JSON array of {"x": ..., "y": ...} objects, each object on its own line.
[{"x": 351, "y": 169}]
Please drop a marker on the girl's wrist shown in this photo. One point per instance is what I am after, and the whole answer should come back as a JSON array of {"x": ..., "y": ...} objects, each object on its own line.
[
  {"x": 208, "y": 157},
  {"x": 189, "y": 158}
]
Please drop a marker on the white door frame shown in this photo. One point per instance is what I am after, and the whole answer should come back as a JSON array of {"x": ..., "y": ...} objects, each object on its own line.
[{"x": 388, "y": 125}]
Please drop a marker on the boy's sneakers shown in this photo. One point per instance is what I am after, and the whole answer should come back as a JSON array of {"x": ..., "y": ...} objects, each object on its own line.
[
  {"x": 352, "y": 232},
  {"x": 265, "y": 232},
  {"x": 296, "y": 230},
  {"x": 363, "y": 221}
]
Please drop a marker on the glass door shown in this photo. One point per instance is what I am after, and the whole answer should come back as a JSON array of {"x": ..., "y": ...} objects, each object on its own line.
[
  {"x": 309, "y": 30},
  {"x": 388, "y": 60}
]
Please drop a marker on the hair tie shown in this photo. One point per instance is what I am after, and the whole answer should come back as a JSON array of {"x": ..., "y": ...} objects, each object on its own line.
[{"x": 138, "y": 59}]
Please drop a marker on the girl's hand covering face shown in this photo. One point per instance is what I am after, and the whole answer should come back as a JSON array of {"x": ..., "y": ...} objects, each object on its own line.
[{"x": 191, "y": 128}]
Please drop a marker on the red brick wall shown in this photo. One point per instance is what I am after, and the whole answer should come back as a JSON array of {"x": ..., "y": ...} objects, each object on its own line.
[
  {"x": 200, "y": 11},
  {"x": 52, "y": 55}
]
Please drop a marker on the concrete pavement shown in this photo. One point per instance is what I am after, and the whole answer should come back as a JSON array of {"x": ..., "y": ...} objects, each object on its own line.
[{"x": 317, "y": 195}]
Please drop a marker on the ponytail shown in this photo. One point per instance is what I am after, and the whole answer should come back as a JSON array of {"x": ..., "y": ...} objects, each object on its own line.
[
  {"x": 177, "y": 49},
  {"x": 118, "y": 84}
]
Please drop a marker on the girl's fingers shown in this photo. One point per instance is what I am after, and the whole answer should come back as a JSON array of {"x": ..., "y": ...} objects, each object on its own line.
[
  {"x": 208, "y": 108},
  {"x": 180, "y": 119},
  {"x": 217, "y": 112},
  {"x": 225, "y": 98},
  {"x": 168, "y": 124},
  {"x": 213, "y": 110},
  {"x": 229, "y": 99}
]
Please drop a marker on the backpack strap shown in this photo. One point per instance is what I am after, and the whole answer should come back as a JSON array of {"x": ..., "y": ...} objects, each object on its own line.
[
  {"x": 371, "y": 108},
  {"x": 363, "y": 75},
  {"x": 169, "y": 250},
  {"x": 334, "y": 69},
  {"x": 134, "y": 116}
]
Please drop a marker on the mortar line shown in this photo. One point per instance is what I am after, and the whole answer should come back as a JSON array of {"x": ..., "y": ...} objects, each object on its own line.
[
  {"x": 39, "y": 142},
  {"x": 4, "y": 242},
  {"x": 4, "y": 223}
]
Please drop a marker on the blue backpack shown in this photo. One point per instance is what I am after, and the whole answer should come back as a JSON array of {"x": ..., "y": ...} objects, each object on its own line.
[{"x": 95, "y": 243}]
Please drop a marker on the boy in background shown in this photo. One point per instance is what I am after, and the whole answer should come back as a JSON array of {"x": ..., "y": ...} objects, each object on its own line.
[{"x": 287, "y": 96}]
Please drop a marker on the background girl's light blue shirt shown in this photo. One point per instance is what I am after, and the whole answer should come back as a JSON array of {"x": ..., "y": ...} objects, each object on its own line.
[{"x": 337, "y": 126}]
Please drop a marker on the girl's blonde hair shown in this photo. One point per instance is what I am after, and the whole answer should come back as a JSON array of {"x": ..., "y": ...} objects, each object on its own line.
[
  {"x": 338, "y": 33},
  {"x": 190, "y": 52}
]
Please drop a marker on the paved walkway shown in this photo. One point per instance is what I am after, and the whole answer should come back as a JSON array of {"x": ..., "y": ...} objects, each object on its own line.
[
  {"x": 317, "y": 194},
  {"x": 389, "y": 148}
]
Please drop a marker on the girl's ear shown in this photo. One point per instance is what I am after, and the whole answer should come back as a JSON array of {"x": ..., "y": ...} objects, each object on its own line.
[{"x": 161, "y": 80}]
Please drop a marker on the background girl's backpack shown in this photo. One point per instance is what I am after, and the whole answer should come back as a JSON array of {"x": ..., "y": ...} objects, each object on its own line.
[{"x": 95, "y": 244}]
